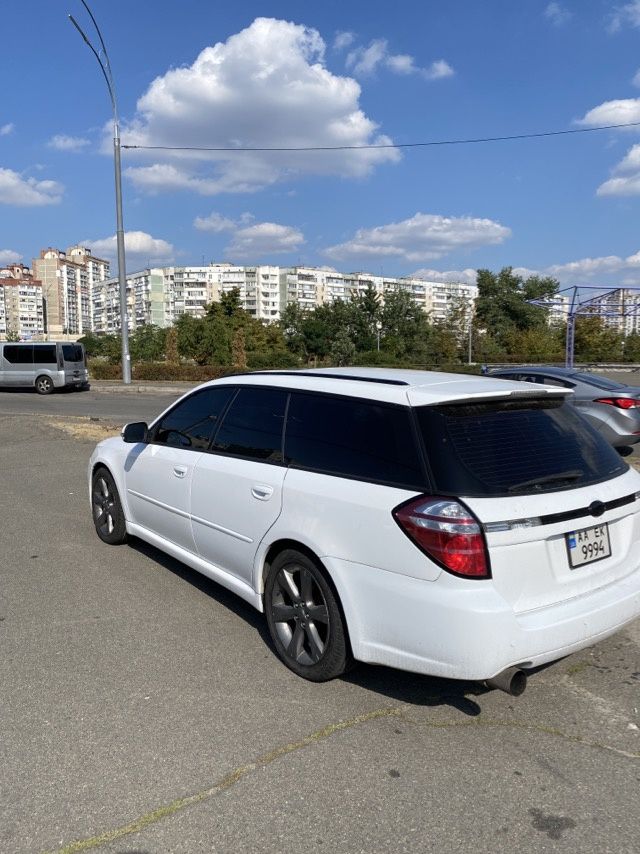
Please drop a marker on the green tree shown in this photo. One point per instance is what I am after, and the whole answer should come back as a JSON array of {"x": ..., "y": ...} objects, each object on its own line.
[
  {"x": 502, "y": 307},
  {"x": 171, "y": 346},
  {"x": 147, "y": 343},
  {"x": 342, "y": 349},
  {"x": 12, "y": 335},
  {"x": 405, "y": 327},
  {"x": 230, "y": 302},
  {"x": 632, "y": 347},
  {"x": 93, "y": 344},
  {"x": 595, "y": 341},
  {"x": 238, "y": 352}
]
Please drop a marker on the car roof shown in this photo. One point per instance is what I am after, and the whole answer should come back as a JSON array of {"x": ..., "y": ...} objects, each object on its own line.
[
  {"x": 536, "y": 369},
  {"x": 394, "y": 385}
]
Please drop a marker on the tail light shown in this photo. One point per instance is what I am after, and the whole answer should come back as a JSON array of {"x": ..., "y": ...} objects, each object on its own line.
[
  {"x": 620, "y": 402},
  {"x": 447, "y": 532}
]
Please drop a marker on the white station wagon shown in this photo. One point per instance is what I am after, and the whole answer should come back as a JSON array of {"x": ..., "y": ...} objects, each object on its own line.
[{"x": 464, "y": 527}]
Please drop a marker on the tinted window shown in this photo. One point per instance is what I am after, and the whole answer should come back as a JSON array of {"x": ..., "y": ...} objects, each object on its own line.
[
  {"x": 597, "y": 381},
  {"x": 192, "y": 423},
  {"x": 44, "y": 354},
  {"x": 253, "y": 425},
  {"x": 72, "y": 353},
  {"x": 19, "y": 355},
  {"x": 353, "y": 438},
  {"x": 513, "y": 447}
]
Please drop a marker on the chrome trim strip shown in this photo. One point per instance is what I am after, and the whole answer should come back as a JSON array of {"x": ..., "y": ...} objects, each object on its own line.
[
  {"x": 222, "y": 530},
  {"x": 160, "y": 504}
]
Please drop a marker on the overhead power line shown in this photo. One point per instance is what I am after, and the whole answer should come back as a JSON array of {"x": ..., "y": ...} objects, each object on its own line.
[{"x": 434, "y": 142}]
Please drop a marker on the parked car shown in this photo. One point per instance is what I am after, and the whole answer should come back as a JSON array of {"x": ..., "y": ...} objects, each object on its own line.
[
  {"x": 612, "y": 408},
  {"x": 458, "y": 526},
  {"x": 45, "y": 367}
]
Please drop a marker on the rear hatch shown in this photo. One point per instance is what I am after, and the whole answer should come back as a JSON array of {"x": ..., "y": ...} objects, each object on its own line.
[{"x": 558, "y": 506}]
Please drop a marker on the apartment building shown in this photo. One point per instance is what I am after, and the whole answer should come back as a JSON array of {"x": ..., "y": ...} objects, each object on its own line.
[
  {"x": 68, "y": 279},
  {"x": 619, "y": 309},
  {"x": 21, "y": 304},
  {"x": 159, "y": 295}
]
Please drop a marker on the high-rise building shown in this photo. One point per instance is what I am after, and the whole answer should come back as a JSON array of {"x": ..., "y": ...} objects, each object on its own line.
[
  {"x": 68, "y": 279},
  {"x": 21, "y": 311}
]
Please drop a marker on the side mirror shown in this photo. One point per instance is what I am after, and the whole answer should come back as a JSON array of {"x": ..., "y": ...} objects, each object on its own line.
[{"x": 135, "y": 432}]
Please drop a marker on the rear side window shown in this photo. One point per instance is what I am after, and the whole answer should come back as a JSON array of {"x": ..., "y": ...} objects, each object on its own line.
[
  {"x": 72, "y": 353},
  {"x": 253, "y": 425},
  {"x": 353, "y": 438},
  {"x": 192, "y": 423},
  {"x": 19, "y": 355},
  {"x": 44, "y": 354},
  {"x": 513, "y": 447}
]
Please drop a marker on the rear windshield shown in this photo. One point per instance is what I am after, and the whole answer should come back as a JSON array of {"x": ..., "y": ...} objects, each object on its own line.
[
  {"x": 597, "y": 381},
  {"x": 513, "y": 447},
  {"x": 72, "y": 353}
]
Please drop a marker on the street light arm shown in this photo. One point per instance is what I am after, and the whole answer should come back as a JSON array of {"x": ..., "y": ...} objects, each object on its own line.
[
  {"x": 102, "y": 44},
  {"x": 102, "y": 68}
]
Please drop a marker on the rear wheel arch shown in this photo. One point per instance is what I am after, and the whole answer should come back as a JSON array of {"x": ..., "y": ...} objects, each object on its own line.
[{"x": 280, "y": 546}]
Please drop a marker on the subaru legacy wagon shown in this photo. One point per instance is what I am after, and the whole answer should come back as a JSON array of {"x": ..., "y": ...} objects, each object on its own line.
[{"x": 458, "y": 526}]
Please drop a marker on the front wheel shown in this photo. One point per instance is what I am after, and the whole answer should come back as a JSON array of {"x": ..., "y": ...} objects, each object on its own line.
[
  {"x": 44, "y": 385},
  {"x": 108, "y": 516},
  {"x": 304, "y": 618}
]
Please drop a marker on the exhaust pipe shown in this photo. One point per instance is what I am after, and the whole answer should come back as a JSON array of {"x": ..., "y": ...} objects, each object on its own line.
[{"x": 512, "y": 681}]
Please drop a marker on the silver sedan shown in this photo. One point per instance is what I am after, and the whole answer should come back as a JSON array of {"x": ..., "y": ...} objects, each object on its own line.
[{"x": 612, "y": 408}]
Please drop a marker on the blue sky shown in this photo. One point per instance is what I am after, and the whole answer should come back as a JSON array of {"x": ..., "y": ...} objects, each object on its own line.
[{"x": 351, "y": 72}]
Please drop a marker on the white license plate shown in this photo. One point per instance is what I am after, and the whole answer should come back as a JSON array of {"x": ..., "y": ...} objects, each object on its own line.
[{"x": 588, "y": 545}]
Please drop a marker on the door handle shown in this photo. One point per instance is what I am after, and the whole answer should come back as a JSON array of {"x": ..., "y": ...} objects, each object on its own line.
[
  {"x": 179, "y": 471},
  {"x": 261, "y": 491}
]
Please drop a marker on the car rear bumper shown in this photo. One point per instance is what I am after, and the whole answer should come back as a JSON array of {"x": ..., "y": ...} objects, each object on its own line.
[{"x": 466, "y": 630}]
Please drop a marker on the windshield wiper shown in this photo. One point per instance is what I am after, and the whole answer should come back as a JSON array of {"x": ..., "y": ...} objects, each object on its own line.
[{"x": 560, "y": 477}]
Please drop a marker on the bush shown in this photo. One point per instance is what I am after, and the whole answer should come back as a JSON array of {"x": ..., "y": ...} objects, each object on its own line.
[
  {"x": 101, "y": 370},
  {"x": 160, "y": 371},
  {"x": 263, "y": 360}
]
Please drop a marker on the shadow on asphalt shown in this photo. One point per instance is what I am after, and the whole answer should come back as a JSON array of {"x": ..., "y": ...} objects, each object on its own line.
[{"x": 401, "y": 686}]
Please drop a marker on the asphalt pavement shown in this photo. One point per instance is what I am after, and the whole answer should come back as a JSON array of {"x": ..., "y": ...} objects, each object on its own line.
[{"x": 142, "y": 708}]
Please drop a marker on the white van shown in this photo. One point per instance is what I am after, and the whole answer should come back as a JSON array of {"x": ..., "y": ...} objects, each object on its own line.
[{"x": 54, "y": 364}]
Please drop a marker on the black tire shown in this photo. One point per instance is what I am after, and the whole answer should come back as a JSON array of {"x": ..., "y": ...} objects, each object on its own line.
[
  {"x": 106, "y": 509},
  {"x": 304, "y": 618},
  {"x": 44, "y": 384}
]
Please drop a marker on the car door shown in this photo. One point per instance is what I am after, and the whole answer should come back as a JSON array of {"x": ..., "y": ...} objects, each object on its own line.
[
  {"x": 158, "y": 473},
  {"x": 17, "y": 367},
  {"x": 236, "y": 492}
]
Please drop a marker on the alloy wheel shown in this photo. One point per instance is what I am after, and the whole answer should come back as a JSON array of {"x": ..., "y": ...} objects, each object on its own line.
[{"x": 300, "y": 615}]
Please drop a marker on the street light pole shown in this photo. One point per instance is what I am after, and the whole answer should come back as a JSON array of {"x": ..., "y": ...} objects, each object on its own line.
[
  {"x": 105, "y": 67},
  {"x": 378, "y": 328}
]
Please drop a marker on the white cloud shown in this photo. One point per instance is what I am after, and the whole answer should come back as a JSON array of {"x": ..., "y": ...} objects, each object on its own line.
[
  {"x": 61, "y": 142},
  {"x": 8, "y": 256},
  {"x": 365, "y": 61},
  {"x": 636, "y": 79},
  {"x": 438, "y": 70},
  {"x": 424, "y": 237},
  {"x": 557, "y": 14},
  {"x": 263, "y": 239},
  {"x": 622, "y": 111},
  {"x": 215, "y": 223},
  {"x": 140, "y": 247},
  {"x": 252, "y": 239},
  {"x": 467, "y": 276},
  {"x": 268, "y": 87},
  {"x": 5, "y": 130},
  {"x": 627, "y": 182},
  {"x": 27, "y": 192},
  {"x": 628, "y": 14},
  {"x": 343, "y": 40}
]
